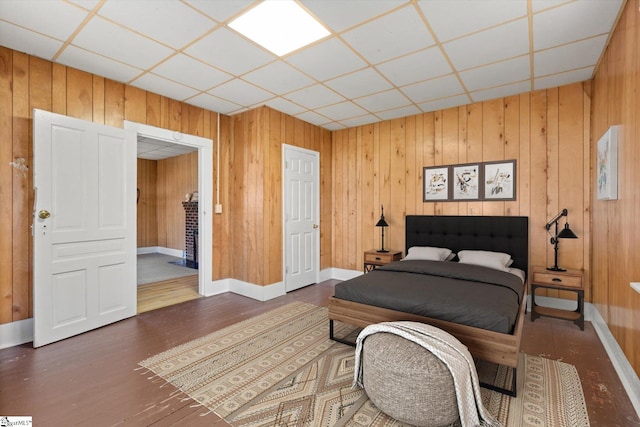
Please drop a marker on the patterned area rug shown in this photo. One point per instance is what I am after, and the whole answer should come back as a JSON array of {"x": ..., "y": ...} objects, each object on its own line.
[{"x": 280, "y": 369}]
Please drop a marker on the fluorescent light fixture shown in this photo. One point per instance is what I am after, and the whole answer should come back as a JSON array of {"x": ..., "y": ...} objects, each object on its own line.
[{"x": 280, "y": 26}]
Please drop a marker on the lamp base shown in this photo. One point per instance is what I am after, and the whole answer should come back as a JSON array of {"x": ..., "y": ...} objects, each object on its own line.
[
  {"x": 382, "y": 250},
  {"x": 556, "y": 269}
]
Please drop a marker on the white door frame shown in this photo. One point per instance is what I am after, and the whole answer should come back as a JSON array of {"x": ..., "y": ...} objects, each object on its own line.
[
  {"x": 316, "y": 261},
  {"x": 205, "y": 190}
]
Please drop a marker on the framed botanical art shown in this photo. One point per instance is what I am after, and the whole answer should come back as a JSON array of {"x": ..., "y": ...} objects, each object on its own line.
[
  {"x": 435, "y": 184},
  {"x": 465, "y": 181},
  {"x": 607, "y": 165},
  {"x": 499, "y": 180}
]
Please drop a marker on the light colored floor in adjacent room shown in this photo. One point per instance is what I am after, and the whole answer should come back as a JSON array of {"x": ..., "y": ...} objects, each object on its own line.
[{"x": 152, "y": 296}]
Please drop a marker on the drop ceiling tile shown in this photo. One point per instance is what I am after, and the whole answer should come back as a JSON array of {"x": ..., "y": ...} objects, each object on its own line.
[
  {"x": 499, "y": 92},
  {"x": 313, "y": 118},
  {"x": 213, "y": 103},
  {"x": 562, "y": 79},
  {"x": 538, "y": 5},
  {"x": 186, "y": 70},
  {"x": 278, "y": 77},
  {"x": 390, "y": 36},
  {"x": 416, "y": 67},
  {"x": 409, "y": 110},
  {"x": 573, "y": 21},
  {"x": 342, "y": 14},
  {"x": 451, "y": 19},
  {"x": 51, "y": 18},
  {"x": 315, "y": 96},
  {"x": 359, "y": 84},
  {"x": 170, "y": 22},
  {"x": 444, "y": 103},
  {"x": 228, "y": 51},
  {"x": 220, "y": 10},
  {"x": 344, "y": 110},
  {"x": 495, "y": 44},
  {"x": 568, "y": 57},
  {"x": 326, "y": 60},
  {"x": 337, "y": 126},
  {"x": 498, "y": 74},
  {"x": 241, "y": 92},
  {"x": 285, "y": 106},
  {"x": 383, "y": 101},
  {"x": 360, "y": 121},
  {"x": 139, "y": 52},
  {"x": 23, "y": 40},
  {"x": 87, "y": 4},
  {"x": 442, "y": 87},
  {"x": 90, "y": 62},
  {"x": 157, "y": 84}
]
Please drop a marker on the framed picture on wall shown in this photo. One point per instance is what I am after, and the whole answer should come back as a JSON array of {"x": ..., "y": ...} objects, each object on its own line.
[
  {"x": 435, "y": 184},
  {"x": 499, "y": 180},
  {"x": 607, "y": 165},
  {"x": 465, "y": 181}
]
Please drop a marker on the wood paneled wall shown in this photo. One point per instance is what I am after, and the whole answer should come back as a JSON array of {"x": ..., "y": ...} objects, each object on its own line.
[
  {"x": 163, "y": 185},
  {"x": 256, "y": 191},
  {"x": 27, "y": 82},
  {"x": 147, "y": 207},
  {"x": 547, "y": 132},
  {"x": 616, "y": 223},
  {"x": 177, "y": 176}
]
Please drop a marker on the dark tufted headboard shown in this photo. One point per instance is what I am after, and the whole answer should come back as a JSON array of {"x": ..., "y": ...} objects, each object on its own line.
[{"x": 509, "y": 234}]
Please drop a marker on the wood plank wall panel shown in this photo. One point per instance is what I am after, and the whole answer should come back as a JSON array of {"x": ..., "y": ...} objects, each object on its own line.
[
  {"x": 615, "y": 225},
  {"x": 256, "y": 191},
  {"x": 147, "y": 207},
  {"x": 516, "y": 127},
  {"x": 176, "y": 176},
  {"x": 27, "y": 82},
  {"x": 6, "y": 187}
]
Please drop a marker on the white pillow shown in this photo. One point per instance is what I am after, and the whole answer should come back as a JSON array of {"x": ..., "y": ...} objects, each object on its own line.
[
  {"x": 495, "y": 260},
  {"x": 428, "y": 253}
]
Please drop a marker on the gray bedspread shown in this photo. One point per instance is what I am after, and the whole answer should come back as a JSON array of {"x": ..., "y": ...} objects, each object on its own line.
[{"x": 460, "y": 293}]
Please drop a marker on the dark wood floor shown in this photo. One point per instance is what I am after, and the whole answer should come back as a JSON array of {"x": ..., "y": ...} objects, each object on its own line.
[{"x": 92, "y": 379}]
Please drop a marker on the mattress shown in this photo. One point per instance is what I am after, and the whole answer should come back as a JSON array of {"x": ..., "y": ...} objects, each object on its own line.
[{"x": 460, "y": 293}]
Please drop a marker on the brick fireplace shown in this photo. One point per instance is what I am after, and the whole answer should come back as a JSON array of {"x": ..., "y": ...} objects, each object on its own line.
[{"x": 191, "y": 233}]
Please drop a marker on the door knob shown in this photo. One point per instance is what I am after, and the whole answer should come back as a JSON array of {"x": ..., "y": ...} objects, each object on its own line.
[
  {"x": 44, "y": 214},
  {"x": 315, "y": 225}
]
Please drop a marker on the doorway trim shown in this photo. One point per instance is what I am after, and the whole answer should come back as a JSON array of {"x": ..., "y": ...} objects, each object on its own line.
[{"x": 205, "y": 191}]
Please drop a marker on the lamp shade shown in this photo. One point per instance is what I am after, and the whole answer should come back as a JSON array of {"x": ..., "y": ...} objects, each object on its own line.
[
  {"x": 381, "y": 222},
  {"x": 566, "y": 233}
]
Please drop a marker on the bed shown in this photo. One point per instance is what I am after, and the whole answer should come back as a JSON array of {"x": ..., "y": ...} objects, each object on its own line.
[{"x": 385, "y": 294}]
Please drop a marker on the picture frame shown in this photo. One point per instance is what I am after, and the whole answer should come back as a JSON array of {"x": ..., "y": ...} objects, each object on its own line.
[
  {"x": 435, "y": 183},
  {"x": 607, "y": 165},
  {"x": 499, "y": 180},
  {"x": 465, "y": 181}
]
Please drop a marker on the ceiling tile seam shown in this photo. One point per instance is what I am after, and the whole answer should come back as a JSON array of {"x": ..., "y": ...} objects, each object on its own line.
[
  {"x": 444, "y": 53},
  {"x": 482, "y": 30},
  {"x": 47, "y": 36},
  {"x": 80, "y": 27},
  {"x": 179, "y": 51},
  {"x": 559, "y": 73},
  {"x": 595, "y": 36}
]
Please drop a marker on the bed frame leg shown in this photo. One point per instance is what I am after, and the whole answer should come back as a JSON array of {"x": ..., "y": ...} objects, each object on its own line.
[
  {"x": 340, "y": 340},
  {"x": 508, "y": 392}
]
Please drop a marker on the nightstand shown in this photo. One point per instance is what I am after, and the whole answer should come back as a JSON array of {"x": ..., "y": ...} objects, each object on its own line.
[
  {"x": 373, "y": 258},
  {"x": 570, "y": 280}
]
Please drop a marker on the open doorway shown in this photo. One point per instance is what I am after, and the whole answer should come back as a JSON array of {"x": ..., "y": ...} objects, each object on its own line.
[{"x": 173, "y": 216}]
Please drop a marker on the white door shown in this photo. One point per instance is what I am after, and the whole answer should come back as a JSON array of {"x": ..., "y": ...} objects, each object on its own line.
[
  {"x": 301, "y": 217},
  {"x": 84, "y": 227}
]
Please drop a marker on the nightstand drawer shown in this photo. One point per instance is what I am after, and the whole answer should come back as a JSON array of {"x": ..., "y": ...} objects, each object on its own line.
[
  {"x": 553, "y": 279},
  {"x": 380, "y": 257}
]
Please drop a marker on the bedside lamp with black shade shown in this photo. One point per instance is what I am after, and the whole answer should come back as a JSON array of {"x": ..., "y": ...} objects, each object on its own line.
[
  {"x": 382, "y": 224},
  {"x": 565, "y": 233}
]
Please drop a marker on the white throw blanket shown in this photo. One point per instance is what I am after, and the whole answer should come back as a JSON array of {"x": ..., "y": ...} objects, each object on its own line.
[{"x": 451, "y": 352}]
